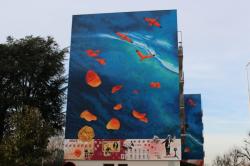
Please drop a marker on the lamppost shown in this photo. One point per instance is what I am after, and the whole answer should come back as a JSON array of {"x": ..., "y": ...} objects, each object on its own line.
[{"x": 248, "y": 86}]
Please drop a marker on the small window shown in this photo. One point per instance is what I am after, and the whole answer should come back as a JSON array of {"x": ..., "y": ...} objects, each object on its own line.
[
  {"x": 122, "y": 164},
  {"x": 108, "y": 164}
]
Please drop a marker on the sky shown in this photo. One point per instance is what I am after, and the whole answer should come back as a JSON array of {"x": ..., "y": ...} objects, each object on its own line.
[{"x": 216, "y": 51}]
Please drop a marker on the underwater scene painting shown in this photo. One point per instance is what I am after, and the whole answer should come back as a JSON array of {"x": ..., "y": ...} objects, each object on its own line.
[
  {"x": 193, "y": 144},
  {"x": 124, "y": 82}
]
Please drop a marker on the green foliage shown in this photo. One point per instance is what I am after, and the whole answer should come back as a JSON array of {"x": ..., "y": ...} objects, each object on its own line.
[
  {"x": 32, "y": 73},
  {"x": 25, "y": 142},
  {"x": 32, "y": 93}
]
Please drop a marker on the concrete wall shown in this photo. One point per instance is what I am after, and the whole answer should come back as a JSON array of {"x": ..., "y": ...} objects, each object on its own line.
[{"x": 130, "y": 163}]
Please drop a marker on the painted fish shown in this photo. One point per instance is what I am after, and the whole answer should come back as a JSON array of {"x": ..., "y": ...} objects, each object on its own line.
[
  {"x": 88, "y": 116},
  {"x": 152, "y": 22},
  {"x": 116, "y": 88},
  {"x": 140, "y": 116},
  {"x": 101, "y": 61},
  {"x": 117, "y": 107},
  {"x": 191, "y": 103},
  {"x": 113, "y": 124},
  {"x": 93, "y": 79},
  {"x": 92, "y": 53},
  {"x": 155, "y": 85},
  {"x": 124, "y": 37},
  {"x": 142, "y": 56}
]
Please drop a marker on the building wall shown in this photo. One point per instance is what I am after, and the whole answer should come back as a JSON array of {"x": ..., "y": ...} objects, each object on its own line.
[{"x": 130, "y": 163}]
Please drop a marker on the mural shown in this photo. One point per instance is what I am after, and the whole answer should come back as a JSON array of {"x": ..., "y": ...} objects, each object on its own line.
[
  {"x": 192, "y": 147},
  {"x": 124, "y": 87},
  {"x": 129, "y": 149}
]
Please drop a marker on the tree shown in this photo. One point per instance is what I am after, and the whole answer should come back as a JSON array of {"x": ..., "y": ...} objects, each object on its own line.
[
  {"x": 238, "y": 156},
  {"x": 25, "y": 141},
  {"x": 245, "y": 150},
  {"x": 32, "y": 74},
  {"x": 231, "y": 158}
]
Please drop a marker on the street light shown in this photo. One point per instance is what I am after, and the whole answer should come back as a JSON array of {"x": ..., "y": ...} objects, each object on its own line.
[{"x": 248, "y": 86}]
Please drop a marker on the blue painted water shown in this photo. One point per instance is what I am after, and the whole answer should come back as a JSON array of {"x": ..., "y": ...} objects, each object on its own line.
[
  {"x": 123, "y": 67},
  {"x": 194, "y": 132}
]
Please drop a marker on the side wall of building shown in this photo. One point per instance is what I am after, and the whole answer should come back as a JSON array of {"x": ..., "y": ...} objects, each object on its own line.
[{"x": 129, "y": 163}]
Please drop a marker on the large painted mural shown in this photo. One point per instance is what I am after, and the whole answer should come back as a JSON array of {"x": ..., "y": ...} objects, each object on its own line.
[
  {"x": 123, "y": 92},
  {"x": 193, "y": 145}
]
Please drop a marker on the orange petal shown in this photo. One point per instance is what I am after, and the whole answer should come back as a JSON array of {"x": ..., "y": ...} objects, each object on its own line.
[
  {"x": 155, "y": 84},
  {"x": 93, "y": 79},
  {"x": 101, "y": 61},
  {"x": 113, "y": 124},
  {"x": 138, "y": 115},
  {"x": 92, "y": 53},
  {"x": 88, "y": 116},
  {"x": 116, "y": 88},
  {"x": 77, "y": 152},
  {"x": 117, "y": 107},
  {"x": 86, "y": 133}
]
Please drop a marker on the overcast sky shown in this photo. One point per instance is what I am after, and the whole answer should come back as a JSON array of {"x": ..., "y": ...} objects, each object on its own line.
[{"x": 216, "y": 42}]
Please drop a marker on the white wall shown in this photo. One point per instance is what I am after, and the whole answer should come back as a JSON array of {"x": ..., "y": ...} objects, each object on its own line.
[{"x": 130, "y": 163}]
